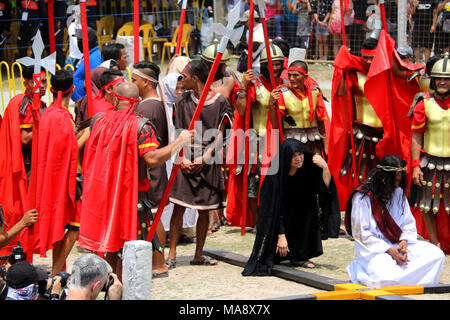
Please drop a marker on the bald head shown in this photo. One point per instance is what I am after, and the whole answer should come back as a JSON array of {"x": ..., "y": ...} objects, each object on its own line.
[{"x": 126, "y": 90}]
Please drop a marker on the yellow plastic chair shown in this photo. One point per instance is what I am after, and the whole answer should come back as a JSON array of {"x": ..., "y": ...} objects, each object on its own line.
[
  {"x": 105, "y": 29},
  {"x": 165, "y": 14},
  {"x": 13, "y": 77},
  {"x": 126, "y": 30},
  {"x": 3, "y": 63},
  {"x": 187, "y": 29},
  {"x": 149, "y": 39}
]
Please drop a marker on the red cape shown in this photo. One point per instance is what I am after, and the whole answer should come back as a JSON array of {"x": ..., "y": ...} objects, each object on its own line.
[
  {"x": 341, "y": 122},
  {"x": 13, "y": 177},
  {"x": 391, "y": 98},
  {"x": 235, "y": 182},
  {"x": 56, "y": 175},
  {"x": 110, "y": 191}
]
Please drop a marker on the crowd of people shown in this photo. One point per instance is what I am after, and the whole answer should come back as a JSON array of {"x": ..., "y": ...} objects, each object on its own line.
[
  {"x": 97, "y": 176},
  {"x": 314, "y": 25}
]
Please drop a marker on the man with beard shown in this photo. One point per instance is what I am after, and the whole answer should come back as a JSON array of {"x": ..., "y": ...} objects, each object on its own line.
[{"x": 379, "y": 218}]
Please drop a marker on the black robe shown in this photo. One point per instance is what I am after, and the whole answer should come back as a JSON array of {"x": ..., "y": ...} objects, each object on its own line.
[{"x": 299, "y": 206}]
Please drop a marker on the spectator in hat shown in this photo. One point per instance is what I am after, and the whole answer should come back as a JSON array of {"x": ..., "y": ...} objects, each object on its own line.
[
  {"x": 95, "y": 59},
  {"x": 22, "y": 280},
  {"x": 258, "y": 32}
]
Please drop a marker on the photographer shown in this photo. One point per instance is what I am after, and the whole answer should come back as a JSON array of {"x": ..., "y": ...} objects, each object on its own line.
[
  {"x": 90, "y": 274},
  {"x": 22, "y": 280},
  {"x": 28, "y": 219}
]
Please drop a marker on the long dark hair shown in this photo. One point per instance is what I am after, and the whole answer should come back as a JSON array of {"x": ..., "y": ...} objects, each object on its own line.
[{"x": 381, "y": 181}]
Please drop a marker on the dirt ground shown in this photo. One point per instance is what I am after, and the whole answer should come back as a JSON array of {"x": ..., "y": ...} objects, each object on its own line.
[{"x": 225, "y": 282}]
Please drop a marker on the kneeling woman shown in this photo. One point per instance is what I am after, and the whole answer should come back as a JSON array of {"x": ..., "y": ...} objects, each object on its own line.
[{"x": 298, "y": 208}]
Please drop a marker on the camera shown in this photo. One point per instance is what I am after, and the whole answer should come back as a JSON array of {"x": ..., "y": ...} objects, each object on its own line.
[
  {"x": 64, "y": 277},
  {"x": 108, "y": 284},
  {"x": 17, "y": 254}
]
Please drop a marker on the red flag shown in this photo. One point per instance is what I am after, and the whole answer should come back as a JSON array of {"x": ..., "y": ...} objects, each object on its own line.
[
  {"x": 110, "y": 191},
  {"x": 341, "y": 122},
  {"x": 391, "y": 98},
  {"x": 57, "y": 158}
]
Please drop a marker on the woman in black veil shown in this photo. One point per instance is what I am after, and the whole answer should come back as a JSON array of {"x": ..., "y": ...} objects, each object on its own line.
[{"x": 298, "y": 208}]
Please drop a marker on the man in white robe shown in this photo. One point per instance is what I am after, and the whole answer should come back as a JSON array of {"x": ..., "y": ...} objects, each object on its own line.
[{"x": 380, "y": 262}]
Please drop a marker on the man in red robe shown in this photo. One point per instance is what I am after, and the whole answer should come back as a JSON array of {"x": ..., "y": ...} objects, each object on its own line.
[
  {"x": 120, "y": 145},
  {"x": 57, "y": 164},
  {"x": 103, "y": 101},
  {"x": 16, "y": 135}
]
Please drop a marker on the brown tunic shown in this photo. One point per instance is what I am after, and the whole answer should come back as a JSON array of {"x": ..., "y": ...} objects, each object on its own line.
[
  {"x": 202, "y": 191},
  {"x": 153, "y": 109}
]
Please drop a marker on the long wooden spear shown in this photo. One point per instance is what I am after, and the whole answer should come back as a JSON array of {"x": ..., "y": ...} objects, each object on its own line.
[
  {"x": 87, "y": 64},
  {"x": 136, "y": 29},
  {"x": 248, "y": 105},
  {"x": 48, "y": 63},
  {"x": 262, "y": 15},
  {"x": 180, "y": 27}
]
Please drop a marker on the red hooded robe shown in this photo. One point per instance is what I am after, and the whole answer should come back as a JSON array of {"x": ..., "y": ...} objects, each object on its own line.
[
  {"x": 56, "y": 175},
  {"x": 13, "y": 177},
  {"x": 110, "y": 191}
]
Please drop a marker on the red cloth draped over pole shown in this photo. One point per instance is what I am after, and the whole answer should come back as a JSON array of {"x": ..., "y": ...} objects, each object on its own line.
[
  {"x": 180, "y": 28},
  {"x": 344, "y": 5},
  {"x": 51, "y": 26},
  {"x": 383, "y": 15},
  {"x": 251, "y": 22},
  {"x": 136, "y": 29},
  {"x": 87, "y": 64}
]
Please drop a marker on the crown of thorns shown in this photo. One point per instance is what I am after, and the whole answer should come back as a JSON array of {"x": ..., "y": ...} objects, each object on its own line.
[{"x": 391, "y": 168}]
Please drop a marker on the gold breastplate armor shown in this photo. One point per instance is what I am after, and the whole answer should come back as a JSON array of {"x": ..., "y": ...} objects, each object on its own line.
[
  {"x": 365, "y": 113},
  {"x": 437, "y": 132},
  {"x": 260, "y": 109},
  {"x": 299, "y": 110}
]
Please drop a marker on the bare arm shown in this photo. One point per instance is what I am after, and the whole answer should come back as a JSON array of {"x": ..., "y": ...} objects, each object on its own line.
[
  {"x": 321, "y": 163},
  {"x": 26, "y": 136},
  {"x": 342, "y": 88},
  {"x": 274, "y": 96},
  {"x": 416, "y": 146},
  {"x": 323, "y": 132},
  {"x": 28, "y": 219},
  {"x": 242, "y": 101},
  {"x": 159, "y": 156}
]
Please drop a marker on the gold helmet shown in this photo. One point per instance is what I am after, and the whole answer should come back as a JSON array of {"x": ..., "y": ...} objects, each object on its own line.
[
  {"x": 210, "y": 53},
  {"x": 275, "y": 53},
  {"x": 441, "y": 69}
]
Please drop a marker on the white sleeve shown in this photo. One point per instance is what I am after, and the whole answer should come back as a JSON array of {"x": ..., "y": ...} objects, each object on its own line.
[
  {"x": 364, "y": 226},
  {"x": 409, "y": 229}
]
